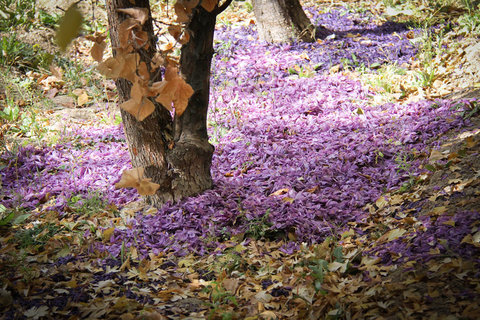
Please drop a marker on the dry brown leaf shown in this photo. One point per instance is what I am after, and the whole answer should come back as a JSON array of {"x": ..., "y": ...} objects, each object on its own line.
[
  {"x": 147, "y": 188},
  {"x": 56, "y": 71},
  {"x": 112, "y": 67},
  {"x": 182, "y": 15},
  {"x": 97, "y": 51},
  {"x": 166, "y": 101},
  {"x": 175, "y": 31},
  {"x": 173, "y": 90},
  {"x": 184, "y": 38},
  {"x": 124, "y": 31},
  {"x": 209, "y": 5},
  {"x": 139, "y": 14},
  {"x": 130, "y": 178},
  {"x": 189, "y": 4},
  {"x": 140, "y": 39},
  {"x": 184, "y": 92},
  {"x": 140, "y": 109},
  {"x": 171, "y": 73},
  {"x": 134, "y": 178},
  {"x": 136, "y": 92},
  {"x": 130, "y": 66},
  {"x": 142, "y": 71},
  {"x": 231, "y": 285},
  {"x": 157, "y": 61}
]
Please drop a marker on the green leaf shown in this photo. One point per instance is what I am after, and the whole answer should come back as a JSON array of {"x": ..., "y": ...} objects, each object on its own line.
[
  {"x": 69, "y": 27},
  {"x": 338, "y": 254},
  {"x": 21, "y": 218},
  {"x": 7, "y": 219}
]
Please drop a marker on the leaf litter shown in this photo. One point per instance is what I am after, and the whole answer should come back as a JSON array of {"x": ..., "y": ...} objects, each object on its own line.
[{"x": 319, "y": 210}]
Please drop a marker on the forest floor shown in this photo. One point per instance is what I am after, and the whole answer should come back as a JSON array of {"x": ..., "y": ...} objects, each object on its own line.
[{"x": 347, "y": 179}]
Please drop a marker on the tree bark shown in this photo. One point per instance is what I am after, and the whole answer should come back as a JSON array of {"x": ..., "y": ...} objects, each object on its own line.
[
  {"x": 283, "y": 21},
  {"x": 175, "y": 153}
]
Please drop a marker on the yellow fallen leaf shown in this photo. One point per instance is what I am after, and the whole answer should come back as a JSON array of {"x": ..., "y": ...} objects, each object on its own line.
[
  {"x": 82, "y": 99},
  {"x": 438, "y": 210},
  {"x": 436, "y": 155},
  {"x": 471, "y": 142},
  {"x": 395, "y": 234},
  {"x": 279, "y": 192},
  {"x": 107, "y": 233},
  {"x": 449, "y": 223},
  {"x": 288, "y": 199}
]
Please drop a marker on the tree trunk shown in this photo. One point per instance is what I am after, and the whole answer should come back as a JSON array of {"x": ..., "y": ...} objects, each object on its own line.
[
  {"x": 283, "y": 21},
  {"x": 175, "y": 154}
]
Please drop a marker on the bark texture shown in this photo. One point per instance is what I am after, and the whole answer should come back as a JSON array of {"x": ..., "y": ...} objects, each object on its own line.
[
  {"x": 175, "y": 154},
  {"x": 283, "y": 21}
]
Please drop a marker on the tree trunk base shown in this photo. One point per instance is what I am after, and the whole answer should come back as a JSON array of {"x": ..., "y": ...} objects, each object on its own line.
[{"x": 188, "y": 171}]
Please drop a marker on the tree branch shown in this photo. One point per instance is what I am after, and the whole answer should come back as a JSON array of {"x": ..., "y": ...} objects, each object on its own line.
[{"x": 222, "y": 8}]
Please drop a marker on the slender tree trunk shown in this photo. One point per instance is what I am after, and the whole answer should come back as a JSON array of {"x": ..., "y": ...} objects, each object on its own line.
[
  {"x": 175, "y": 154},
  {"x": 284, "y": 21}
]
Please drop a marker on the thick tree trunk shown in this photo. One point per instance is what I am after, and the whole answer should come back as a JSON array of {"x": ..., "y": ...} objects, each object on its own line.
[
  {"x": 177, "y": 154},
  {"x": 283, "y": 21}
]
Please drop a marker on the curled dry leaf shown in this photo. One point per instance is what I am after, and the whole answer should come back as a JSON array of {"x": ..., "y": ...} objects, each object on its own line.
[
  {"x": 139, "y": 105},
  {"x": 130, "y": 66},
  {"x": 97, "y": 51},
  {"x": 124, "y": 31},
  {"x": 175, "y": 31},
  {"x": 83, "y": 99},
  {"x": 139, "y": 109},
  {"x": 209, "y": 5},
  {"x": 112, "y": 67},
  {"x": 181, "y": 12},
  {"x": 130, "y": 178},
  {"x": 173, "y": 90},
  {"x": 157, "y": 61},
  {"x": 189, "y": 4},
  {"x": 56, "y": 71},
  {"x": 142, "y": 71},
  {"x": 134, "y": 178},
  {"x": 139, "y": 14},
  {"x": 185, "y": 37},
  {"x": 140, "y": 39}
]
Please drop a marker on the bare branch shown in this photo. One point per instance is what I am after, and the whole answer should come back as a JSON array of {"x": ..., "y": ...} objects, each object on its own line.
[{"x": 222, "y": 8}]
